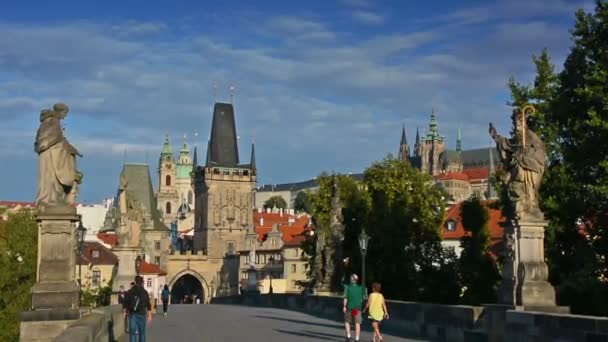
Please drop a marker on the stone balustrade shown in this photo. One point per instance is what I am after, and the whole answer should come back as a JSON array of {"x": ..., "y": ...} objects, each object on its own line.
[
  {"x": 449, "y": 322},
  {"x": 103, "y": 324}
]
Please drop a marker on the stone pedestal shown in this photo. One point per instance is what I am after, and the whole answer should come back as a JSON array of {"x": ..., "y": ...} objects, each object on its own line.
[
  {"x": 525, "y": 273},
  {"x": 56, "y": 285},
  {"x": 125, "y": 274},
  {"x": 252, "y": 280}
]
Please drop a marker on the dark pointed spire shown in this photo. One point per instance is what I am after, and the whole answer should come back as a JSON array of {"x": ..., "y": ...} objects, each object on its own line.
[
  {"x": 252, "y": 158},
  {"x": 404, "y": 149},
  {"x": 223, "y": 146},
  {"x": 459, "y": 142},
  {"x": 195, "y": 157},
  {"x": 208, "y": 160}
]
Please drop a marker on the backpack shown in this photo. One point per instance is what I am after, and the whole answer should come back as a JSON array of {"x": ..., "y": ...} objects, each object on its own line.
[
  {"x": 134, "y": 301},
  {"x": 165, "y": 295}
]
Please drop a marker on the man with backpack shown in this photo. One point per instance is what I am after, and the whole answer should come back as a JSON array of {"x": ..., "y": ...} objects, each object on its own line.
[
  {"x": 136, "y": 306},
  {"x": 164, "y": 296}
]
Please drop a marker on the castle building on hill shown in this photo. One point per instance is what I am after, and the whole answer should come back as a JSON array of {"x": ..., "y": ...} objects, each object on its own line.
[{"x": 461, "y": 173}]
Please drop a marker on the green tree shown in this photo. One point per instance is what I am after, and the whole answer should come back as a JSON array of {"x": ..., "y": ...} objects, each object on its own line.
[
  {"x": 276, "y": 202},
  {"x": 479, "y": 275},
  {"x": 302, "y": 202},
  {"x": 405, "y": 252},
  {"x": 18, "y": 257},
  {"x": 572, "y": 118}
]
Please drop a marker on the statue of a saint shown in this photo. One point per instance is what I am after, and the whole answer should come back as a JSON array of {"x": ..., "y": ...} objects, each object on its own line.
[
  {"x": 523, "y": 157},
  {"x": 57, "y": 177}
]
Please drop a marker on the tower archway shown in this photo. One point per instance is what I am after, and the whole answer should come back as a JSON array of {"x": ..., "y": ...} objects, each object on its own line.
[{"x": 188, "y": 284}]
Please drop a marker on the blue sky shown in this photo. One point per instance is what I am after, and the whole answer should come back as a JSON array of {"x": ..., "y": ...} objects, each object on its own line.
[{"x": 320, "y": 85}]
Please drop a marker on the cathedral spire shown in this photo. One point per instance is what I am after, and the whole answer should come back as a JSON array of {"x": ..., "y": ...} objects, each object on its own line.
[
  {"x": 223, "y": 146},
  {"x": 404, "y": 149},
  {"x": 195, "y": 157},
  {"x": 459, "y": 141}
]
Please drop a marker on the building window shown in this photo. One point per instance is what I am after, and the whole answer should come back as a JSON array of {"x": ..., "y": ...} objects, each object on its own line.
[
  {"x": 157, "y": 260},
  {"x": 230, "y": 248},
  {"x": 168, "y": 208},
  {"x": 149, "y": 282},
  {"x": 451, "y": 225},
  {"x": 190, "y": 197},
  {"x": 168, "y": 180},
  {"x": 157, "y": 245},
  {"x": 95, "y": 254},
  {"x": 243, "y": 275},
  {"x": 96, "y": 280},
  {"x": 294, "y": 268}
]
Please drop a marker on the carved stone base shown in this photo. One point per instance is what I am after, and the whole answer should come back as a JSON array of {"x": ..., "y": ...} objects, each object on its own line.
[
  {"x": 56, "y": 285},
  {"x": 125, "y": 274},
  {"x": 55, "y": 295}
]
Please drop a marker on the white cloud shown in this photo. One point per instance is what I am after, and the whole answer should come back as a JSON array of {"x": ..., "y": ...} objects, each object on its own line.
[
  {"x": 358, "y": 3},
  {"x": 367, "y": 17},
  {"x": 293, "y": 27}
]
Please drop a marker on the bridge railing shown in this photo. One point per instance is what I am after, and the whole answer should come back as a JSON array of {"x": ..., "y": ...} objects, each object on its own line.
[
  {"x": 449, "y": 322},
  {"x": 102, "y": 324}
]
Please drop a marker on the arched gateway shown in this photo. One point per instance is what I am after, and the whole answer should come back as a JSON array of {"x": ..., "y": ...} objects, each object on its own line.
[{"x": 188, "y": 283}]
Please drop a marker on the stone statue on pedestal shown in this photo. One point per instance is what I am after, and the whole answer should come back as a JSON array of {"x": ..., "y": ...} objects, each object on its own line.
[
  {"x": 525, "y": 272},
  {"x": 58, "y": 177},
  {"x": 523, "y": 156}
]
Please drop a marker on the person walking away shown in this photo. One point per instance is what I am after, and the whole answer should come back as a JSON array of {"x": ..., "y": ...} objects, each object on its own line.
[
  {"x": 137, "y": 308},
  {"x": 353, "y": 300},
  {"x": 377, "y": 310},
  {"x": 164, "y": 296}
]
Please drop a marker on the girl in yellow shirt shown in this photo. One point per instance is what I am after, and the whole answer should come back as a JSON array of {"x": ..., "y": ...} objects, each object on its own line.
[{"x": 377, "y": 310}]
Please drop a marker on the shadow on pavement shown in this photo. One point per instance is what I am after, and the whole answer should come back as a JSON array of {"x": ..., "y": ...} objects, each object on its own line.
[
  {"x": 311, "y": 334},
  {"x": 299, "y": 321}
]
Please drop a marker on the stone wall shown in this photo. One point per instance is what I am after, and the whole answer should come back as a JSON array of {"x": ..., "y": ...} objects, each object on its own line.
[
  {"x": 103, "y": 324},
  {"x": 449, "y": 322}
]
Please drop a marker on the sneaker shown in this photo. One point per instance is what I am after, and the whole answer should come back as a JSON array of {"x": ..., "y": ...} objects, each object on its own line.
[{"x": 165, "y": 314}]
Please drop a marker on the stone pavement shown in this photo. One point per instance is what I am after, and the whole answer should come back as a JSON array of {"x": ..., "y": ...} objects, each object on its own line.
[{"x": 221, "y": 323}]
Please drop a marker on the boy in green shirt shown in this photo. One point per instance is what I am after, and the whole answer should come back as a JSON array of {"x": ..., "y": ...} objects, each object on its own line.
[{"x": 353, "y": 301}]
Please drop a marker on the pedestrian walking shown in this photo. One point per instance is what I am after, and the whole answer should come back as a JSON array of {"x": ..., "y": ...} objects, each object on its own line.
[
  {"x": 353, "y": 300},
  {"x": 137, "y": 308},
  {"x": 377, "y": 310},
  {"x": 164, "y": 296}
]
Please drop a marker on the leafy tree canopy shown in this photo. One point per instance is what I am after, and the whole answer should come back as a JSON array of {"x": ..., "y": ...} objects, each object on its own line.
[{"x": 276, "y": 202}]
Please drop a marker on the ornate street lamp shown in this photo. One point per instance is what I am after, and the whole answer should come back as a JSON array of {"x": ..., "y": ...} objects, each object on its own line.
[
  {"x": 137, "y": 264},
  {"x": 271, "y": 259},
  {"x": 81, "y": 231},
  {"x": 363, "y": 242}
]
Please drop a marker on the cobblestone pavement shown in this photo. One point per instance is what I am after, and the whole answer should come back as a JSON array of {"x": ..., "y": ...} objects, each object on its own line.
[{"x": 219, "y": 323}]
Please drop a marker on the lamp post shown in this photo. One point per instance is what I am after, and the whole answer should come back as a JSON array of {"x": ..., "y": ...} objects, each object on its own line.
[
  {"x": 270, "y": 291},
  {"x": 363, "y": 241},
  {"x": 80, "y": 234}
]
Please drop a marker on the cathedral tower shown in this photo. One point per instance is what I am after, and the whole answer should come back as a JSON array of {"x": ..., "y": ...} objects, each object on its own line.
[
  {"x": 431, "y": 148},
  {"x": 167, "y": 196},
  {"x": 404, "y": 149},
  {"x": 223, "y": 190}
]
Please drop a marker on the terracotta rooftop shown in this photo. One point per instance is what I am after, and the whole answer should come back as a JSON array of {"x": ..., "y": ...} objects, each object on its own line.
[
  {"x": 477, "y": 174},
  {"x": 147, "y": 268},
  {"x": 264, "y": 222},
  {"x": 94, "y": 253},
  {"x": 452, "y": 176},
  {"x": 495, "y": 221},
  {"x": 13, "y": 204},
  {"x": 109, "y": 238}
]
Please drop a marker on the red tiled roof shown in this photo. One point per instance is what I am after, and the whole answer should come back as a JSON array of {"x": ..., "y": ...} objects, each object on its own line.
[
  {"x": 495, "y": 228},
  {"x": 147, "y": 268},
  {"x": 12, "y": 204},
  {"x": 477, "y": 174},
  {"x": 289, "y": 232},
  {"x": 296, "y": 241},
  {"x": 104, "y": 255},
  {"x": 108, "y": 238},
  {"x": 452, "y": 176}
]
